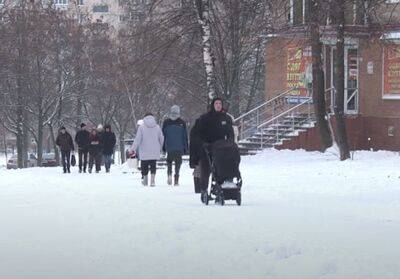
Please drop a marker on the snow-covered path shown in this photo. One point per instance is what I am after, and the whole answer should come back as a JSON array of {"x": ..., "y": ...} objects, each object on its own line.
[{"x": 304, "y": 215}]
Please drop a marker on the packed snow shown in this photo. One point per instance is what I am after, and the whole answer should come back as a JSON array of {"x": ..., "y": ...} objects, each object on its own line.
[{"x": 304, "y": 215}]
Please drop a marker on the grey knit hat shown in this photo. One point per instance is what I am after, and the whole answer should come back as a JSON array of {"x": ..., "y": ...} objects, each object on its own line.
[{"x": 175, "y": 112}]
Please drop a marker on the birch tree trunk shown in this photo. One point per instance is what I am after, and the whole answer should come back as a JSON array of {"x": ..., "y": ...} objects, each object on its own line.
[{"x": 203, "y": 16}]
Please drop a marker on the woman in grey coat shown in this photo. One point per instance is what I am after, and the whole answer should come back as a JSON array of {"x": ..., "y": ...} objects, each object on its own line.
[{"x": 148, "y": 143}]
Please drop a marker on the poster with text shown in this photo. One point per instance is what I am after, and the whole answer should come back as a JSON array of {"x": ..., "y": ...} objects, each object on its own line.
[
  {"x": 298, "y": 69},
  {"x": 391, "y": 70}
]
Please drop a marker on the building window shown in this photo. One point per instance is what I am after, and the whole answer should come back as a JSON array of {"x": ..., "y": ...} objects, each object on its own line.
[
  {"x": 1, "y": 2},
  {"x": 100, "y": 9},
  {"x": 61, "y": 2},
  {"x": 80, "y": 2},
  {"x": 291, "y": 12}
]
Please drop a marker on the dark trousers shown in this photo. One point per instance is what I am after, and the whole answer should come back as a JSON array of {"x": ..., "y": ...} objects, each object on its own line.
[
  {"x": 205, "y": 169},
  {"x": 95, "y": 158},
  {"x": 146, "y": 164},
  {"x": 66, "y": 160},
  {"x": 83, "y": 159},
  {"x": 107, "y": 160},
  {"x": 175, "y": 157}
]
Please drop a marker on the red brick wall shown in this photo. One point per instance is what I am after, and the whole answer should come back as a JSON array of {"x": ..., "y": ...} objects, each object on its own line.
[
  {"x": 370, "y": 85},
  {"x": 363, "y": 133}
]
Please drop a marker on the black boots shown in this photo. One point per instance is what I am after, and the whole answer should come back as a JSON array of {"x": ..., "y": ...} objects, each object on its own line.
[{"x": 176, "y": 180}]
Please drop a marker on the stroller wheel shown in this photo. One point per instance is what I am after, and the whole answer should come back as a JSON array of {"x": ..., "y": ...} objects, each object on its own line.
[
  {"x": 239, "y": 198},
  {"x": 204, "y": 197},
  {"x": 220, "y": 199}
]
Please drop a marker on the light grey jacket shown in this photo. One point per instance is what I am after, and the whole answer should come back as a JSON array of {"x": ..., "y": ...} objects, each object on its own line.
[{"x": 149, "y": 140}]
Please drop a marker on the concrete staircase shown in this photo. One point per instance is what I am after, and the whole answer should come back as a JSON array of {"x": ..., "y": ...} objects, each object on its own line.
[{"x": 274, "y": 134}]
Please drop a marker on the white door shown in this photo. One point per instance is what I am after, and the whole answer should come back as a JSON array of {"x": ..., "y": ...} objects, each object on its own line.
[{"x": 351, "y": 80}]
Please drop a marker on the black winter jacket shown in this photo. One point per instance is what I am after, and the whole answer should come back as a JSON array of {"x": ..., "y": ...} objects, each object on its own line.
[
  {"x": 196, "y": 145},
  {"x": 95, "y": 145},
  {"x": 82, "y": 140},
  {"x": 215, "y": 126},
  {"x": 108, "y": 142}
]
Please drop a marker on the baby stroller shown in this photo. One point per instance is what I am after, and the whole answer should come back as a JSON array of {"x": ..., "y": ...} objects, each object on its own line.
[{"x": 226, "y": 179}]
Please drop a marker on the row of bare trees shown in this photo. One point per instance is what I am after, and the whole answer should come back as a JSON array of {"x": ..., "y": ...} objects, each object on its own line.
[{"x": 60, "y": 71}]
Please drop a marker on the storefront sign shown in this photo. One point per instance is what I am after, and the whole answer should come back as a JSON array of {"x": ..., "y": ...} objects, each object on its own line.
[
  {"x": 298, "y": 69},
  {"x": 391, "y": 70}
]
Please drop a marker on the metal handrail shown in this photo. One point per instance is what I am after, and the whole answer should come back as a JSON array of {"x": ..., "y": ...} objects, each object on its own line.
[
  {"x": 291, "y": 109},
  {"x": 264, "y": 104},
  {"x": 283, "y": 113}
]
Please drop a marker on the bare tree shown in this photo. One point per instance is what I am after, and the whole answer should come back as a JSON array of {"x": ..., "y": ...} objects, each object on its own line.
[
  {"x": 318, "y": 85},
  {"x": 340, "y": 81}
]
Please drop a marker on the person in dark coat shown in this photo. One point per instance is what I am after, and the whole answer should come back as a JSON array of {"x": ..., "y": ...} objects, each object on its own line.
[
  {"x": 94, "y": 151},
  {"x": 82, "y": 140},
  {"x": 213, "y": 126},
  {"x": 216, "y": 124},
  {"x": 66, "y": 145},
  {"x": 108, "y": 144},
  {"x": 175, "y": 142},
  {"x": 196, "y": 152}
]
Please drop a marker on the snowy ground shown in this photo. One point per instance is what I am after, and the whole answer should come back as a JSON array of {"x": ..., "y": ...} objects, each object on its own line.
[
  {"x": 3, "y": 161},
  {"x": 304, "y": 215}
]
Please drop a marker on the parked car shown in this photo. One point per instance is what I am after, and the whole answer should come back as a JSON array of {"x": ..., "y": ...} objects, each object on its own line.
[
  {"x": 49, "y": 160},
  {"x": 12, "y": 163}
]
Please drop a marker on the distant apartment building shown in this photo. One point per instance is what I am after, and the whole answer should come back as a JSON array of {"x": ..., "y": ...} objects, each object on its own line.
[{"x": 116, "y": 13}]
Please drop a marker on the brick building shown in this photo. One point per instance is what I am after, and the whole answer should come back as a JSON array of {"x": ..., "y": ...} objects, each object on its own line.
[{"x": 372, "y": 70}]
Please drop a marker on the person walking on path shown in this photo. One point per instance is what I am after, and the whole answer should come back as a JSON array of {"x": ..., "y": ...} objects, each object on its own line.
[
  {"x": 108, "y": 144},
  {"x": 82, "y": 140},
  {"x": 148, "y": 143},
  {"x": 175, "y": 143},
  {"x": 64, "y": 141},
  {"x": 95, "y": 151},
  {"x": 213, "y": 126}
]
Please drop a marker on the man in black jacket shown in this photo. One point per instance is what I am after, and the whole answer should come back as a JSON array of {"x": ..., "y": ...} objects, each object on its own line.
[
  {"x": 216, "y": 124},
  {"x": 213, "y": 125},
  {"x": 108, "y": 142},
  {"x": 64, "y": 141},
  {"x": 82, "y": 140}
]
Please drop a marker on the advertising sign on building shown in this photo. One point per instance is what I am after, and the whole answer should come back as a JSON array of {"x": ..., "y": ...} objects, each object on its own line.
[
  {"x": 298, "y": 69},
  {"x": 391, "y": 70}
]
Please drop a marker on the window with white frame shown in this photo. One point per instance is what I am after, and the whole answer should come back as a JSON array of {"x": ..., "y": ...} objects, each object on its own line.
[
  {"x": 80, "y": 2},
  {"x": 1, "y": 2},
  {"x": 61, "y": 2}
]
